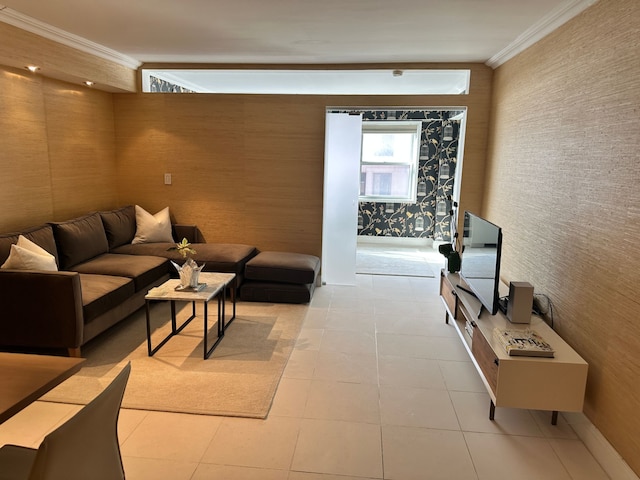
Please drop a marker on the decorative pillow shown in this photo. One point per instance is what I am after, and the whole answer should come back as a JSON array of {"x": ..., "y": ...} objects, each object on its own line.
[
  {"x": 80, "y": 239},
  {"x": 119, "y": 225},
  {"x": 26, "y": 255},
  {"x": 41, "y": 235},
  {"x": 152, "y": 228}
]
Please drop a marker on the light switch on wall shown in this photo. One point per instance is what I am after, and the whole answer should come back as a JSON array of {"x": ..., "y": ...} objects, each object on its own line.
[{"x": 167, "y": 179}]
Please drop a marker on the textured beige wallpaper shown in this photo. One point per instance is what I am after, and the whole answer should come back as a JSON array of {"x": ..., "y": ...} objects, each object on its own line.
[
  {"x": 25, "y": 193},
  {"x": 250, "y": 168},
  {"x": 19, "y": 48},
  {"x": 564, "y": 183},
  {"x": 57, "y": 150}
]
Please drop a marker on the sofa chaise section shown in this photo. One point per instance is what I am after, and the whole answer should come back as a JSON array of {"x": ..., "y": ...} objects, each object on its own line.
[
  {"x": 217, "y": 257},
  {"x": 120, "y": 227}
]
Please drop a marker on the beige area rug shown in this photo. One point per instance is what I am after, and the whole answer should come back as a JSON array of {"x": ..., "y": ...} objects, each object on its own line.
[{"x": 240, "y": 378}]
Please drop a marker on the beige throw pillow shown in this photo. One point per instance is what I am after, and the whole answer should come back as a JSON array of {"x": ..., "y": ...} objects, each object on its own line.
[
  {"x": 26, "y": 255},
  {"x": 152, "y": 228}
]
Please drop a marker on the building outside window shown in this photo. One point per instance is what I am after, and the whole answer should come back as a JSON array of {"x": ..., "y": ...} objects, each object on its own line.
[{"x": 389, "y": 163}]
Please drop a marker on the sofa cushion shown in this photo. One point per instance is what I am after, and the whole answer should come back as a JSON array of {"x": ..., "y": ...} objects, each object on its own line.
[
  {"x": 119, "y": 225},
  {"x": 217, "y": 257},
  {"x": 158, "y": 249},
  {"x": 26, "y": 255},
  {"x": 283, "y": 267},
  {"x": 80, "y": 239},
  {"x": 152, "y": 228},
  {"x": 42, "y": 235},
  {"x": 142, "y": 269},
  {"x": 101, "y": 293}
]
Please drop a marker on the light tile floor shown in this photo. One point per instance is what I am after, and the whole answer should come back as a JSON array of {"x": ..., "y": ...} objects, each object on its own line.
[{"x": 378, "y": 387}]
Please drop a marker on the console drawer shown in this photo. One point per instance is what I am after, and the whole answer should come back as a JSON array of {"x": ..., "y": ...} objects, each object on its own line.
[
  {"x": 486, "y": 358},
  {"x": 448, "y": 294}
]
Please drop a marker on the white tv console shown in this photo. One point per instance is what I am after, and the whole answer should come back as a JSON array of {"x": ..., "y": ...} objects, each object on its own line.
[{"x": 536, "y": 383}]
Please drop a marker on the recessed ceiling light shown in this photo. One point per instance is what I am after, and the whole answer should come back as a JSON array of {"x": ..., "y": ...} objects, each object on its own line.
[
  {"x": 397, "y": 73},
  {"x": 32, "y": 68},
  {"x": 89, "y": 83}
]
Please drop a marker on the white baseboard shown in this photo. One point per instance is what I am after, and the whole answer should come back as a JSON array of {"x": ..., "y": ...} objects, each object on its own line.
[
  {"x": 604, "y": 453},
  {"x": 395, "y": 241}
]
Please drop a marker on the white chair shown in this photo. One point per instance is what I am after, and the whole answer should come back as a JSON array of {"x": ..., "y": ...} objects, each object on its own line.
[{"x": 83, "y": 448}]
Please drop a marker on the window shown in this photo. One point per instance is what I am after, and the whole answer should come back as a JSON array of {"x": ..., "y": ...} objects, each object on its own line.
[
  {"x": 307, "y": 82},
  {"x": 389, "y": 162}
]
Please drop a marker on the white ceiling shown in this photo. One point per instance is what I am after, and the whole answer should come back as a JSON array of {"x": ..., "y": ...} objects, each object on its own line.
[
  {"x": 294, "y": 31},
  {"x": 299, "y": 31}
]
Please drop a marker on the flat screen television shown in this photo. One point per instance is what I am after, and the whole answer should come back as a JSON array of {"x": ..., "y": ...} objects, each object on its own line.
[{"x": 480, "y": 269}]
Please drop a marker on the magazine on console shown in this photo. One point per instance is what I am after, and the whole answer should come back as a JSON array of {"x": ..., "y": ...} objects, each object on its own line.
[{"x": 523, "y": 343}]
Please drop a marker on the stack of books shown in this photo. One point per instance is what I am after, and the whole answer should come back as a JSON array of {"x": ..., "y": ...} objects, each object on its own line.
[{"x": 523, "y": 342}]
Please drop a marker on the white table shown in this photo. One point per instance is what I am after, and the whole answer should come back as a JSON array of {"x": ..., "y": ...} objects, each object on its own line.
[
  {"x": 534, "y": 383},
  {"x": 216, "y": 287}
]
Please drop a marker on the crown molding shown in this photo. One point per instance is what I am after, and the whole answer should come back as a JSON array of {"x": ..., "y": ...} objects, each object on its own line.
[
  {"x": 550, "y": 22},
  {"x": 7, "y": 15},
  {"x": 547, "y": 24}
]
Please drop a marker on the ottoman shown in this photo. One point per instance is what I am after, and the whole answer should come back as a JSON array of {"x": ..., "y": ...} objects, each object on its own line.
[{"x": 280, "y": 277}]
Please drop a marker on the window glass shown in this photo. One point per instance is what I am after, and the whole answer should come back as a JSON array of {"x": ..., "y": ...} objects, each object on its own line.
[{"x": 389, "y": 163}]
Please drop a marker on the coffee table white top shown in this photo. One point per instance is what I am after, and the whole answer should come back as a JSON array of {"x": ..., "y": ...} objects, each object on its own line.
[{"x": 215, "y": 282}]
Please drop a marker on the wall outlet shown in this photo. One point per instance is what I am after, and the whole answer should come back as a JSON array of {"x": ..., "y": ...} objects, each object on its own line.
[{"x": 167, "y": 179}]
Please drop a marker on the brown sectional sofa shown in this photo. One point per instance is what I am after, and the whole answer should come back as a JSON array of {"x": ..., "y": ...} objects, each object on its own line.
[{"x": 102, "y": 278}]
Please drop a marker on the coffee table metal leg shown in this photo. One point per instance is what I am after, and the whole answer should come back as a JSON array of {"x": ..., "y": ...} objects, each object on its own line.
[
  {"x": 206, "y": 331},
  {"x": 224, "y": 310},
  {"x": 234, "y": 295},
  {"x": 220, "y": 326},
  {"x": 174, "y": 329},
  {"x": 148, "y": 327}
]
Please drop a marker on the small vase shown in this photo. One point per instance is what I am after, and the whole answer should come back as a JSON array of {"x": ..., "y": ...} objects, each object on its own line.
[{"x": 189, "y": 273}]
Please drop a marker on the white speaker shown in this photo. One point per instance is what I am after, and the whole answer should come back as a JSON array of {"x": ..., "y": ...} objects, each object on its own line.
[{"x": 520, "y": 302}]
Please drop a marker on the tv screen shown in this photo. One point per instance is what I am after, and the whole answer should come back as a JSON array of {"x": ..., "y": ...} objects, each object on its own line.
[{"x": 481, "y": 247}]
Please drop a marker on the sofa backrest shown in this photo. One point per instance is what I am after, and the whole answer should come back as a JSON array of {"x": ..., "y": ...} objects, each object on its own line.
[
  {"x": 41, "y": 235},
  {"x": 80, "y": 239},
  {"x": 119, "y": 225}
]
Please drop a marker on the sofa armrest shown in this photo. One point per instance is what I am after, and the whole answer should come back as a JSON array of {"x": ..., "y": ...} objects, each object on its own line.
[
  {"x": 190, "y": 232},
  {"x": 40, "y": 309}
]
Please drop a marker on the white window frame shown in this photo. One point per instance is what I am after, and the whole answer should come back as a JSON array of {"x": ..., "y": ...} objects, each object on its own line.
[{"x": 394, "y": 127}]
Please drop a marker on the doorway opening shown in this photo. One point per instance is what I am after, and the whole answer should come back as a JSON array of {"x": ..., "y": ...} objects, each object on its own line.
[{"x": 401, "y": 237}]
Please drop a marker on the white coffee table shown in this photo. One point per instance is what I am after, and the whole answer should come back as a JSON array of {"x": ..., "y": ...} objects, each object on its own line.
[{"x": 216, "y": 287}]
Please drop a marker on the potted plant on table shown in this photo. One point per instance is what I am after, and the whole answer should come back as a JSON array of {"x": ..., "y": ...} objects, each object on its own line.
[{"x": 189, "y": 271}]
